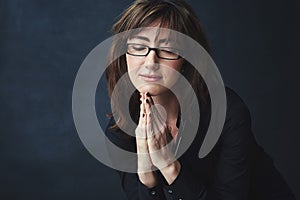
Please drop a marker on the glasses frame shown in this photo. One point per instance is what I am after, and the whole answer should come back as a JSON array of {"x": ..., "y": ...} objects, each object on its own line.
[{"x": 150, "y": 49}]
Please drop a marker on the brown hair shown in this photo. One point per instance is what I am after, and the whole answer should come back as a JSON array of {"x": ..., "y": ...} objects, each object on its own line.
[{"x": 173, "y": 14}]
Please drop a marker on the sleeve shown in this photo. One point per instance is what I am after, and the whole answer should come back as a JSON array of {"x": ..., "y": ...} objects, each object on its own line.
[
  {"x": 130, "y": 183},
  {"x": 185, "y": 186},
  {"x": 182, "y": 188},
  {"x": 232, "y": 175},
  {"x": 135, "y": 190}
]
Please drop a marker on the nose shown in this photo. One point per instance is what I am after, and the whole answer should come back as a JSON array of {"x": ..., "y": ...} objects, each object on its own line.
[{"x": 151, "y": 61}]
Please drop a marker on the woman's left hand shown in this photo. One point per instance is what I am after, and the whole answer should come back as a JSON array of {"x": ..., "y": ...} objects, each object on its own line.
[{"x": 160, "y": 143}]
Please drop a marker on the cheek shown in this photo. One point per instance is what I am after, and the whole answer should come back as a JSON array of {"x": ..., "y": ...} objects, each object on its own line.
[
  {"x": 128, "y": 62},
  {"x": 132, "y": 63},
  {"x": 179, "y": 64},
  {"x": 172, "y": 73},
  {"x": 132, "y": 69}
]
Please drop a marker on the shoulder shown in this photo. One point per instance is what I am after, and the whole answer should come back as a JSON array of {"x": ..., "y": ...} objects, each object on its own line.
[
  {"x": 118, "y": 137},
  {"x": 237, "y": 126},
  {"x": 237, "y": 111}
]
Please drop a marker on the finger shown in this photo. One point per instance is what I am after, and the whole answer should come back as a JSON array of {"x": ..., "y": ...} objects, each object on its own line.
[
  {"x": 157, "y": 120},
  {"x": 156, "y": 126},
  {"x": 142, "y": 110},
  {"x": 153, "y": 108},
  {"x": 150, "y": 98},
  {"x": 149, "y": 128},
  {"x": 152, "y": 130},
  {"x": 153, "y": 134},
  {"x": 168, "y": 134},
  {"x": 157, "y": 123},
  {"x": 143, "y": 98},
  {"x": 141, "y": 128},
  {"x": 162, "y": 136},
  {"x": 152, "y": 127},
  {"x": 148, "y": 119},
  {"x": 147, "y": 105}
]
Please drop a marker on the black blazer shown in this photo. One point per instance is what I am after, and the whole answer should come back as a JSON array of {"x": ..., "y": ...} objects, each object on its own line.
[{"x": 236, "y": 169}]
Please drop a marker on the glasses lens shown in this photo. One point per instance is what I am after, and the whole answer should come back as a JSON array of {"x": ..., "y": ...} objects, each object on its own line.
[
  {"x": 137, "y": 49},
  {"x": 168, "y": 53},
  {"x": 162, "y": 52}
]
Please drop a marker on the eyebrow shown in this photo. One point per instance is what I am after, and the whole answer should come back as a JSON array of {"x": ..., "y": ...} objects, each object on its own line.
[
  {"x": 140, "y": 37},
  {"x": 166, "y": 40}
]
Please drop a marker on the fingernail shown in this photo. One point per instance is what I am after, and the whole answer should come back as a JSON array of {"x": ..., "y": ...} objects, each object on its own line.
[
  {"x": 147, "y": 100},
  {"x": 143, "y": 115},
  {"x": 140, "y": 102},
  {"x": 140, "y": 96},
  {"x": 148, "y": 94}
]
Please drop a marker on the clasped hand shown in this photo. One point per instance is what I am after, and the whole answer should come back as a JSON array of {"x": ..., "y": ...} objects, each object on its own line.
[{"x": 153, "y": 137}]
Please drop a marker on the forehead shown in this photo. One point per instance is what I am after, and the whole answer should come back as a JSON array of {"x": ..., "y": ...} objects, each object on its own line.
[{"x": 153, "y": 34}]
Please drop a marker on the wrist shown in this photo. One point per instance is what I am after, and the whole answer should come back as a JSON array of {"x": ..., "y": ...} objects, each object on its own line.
[
  {"x": 148, "y": 179},
  {"x": 171, "y": 171}
]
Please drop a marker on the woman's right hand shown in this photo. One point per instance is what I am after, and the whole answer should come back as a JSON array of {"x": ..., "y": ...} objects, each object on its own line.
[{"x": 146, "y": 175}]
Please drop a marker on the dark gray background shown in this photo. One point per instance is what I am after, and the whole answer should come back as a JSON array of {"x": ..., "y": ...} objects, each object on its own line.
[{"x": 255, "y": 44}]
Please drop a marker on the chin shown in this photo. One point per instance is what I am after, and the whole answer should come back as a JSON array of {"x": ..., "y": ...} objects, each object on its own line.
[{"x": 154, "y": 90}]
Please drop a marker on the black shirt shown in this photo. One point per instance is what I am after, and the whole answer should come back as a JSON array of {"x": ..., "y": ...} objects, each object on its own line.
[{"x": 237, "y": 168}]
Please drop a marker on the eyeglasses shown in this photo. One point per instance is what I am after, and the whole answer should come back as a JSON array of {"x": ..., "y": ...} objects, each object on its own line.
[{"x": 167, "y": 53}]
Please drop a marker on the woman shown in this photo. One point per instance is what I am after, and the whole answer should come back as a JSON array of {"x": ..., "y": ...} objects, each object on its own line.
[{"x": 236, "y": 168}]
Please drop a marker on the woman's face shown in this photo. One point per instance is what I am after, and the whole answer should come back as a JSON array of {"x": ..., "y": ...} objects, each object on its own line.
[{"x": 150, "y": 73}]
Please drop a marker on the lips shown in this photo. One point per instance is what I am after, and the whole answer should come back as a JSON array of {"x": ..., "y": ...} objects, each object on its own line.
[{"x": 150, "y": 77}]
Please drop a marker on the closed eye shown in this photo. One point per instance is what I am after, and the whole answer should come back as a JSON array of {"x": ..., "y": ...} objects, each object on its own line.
[
  {"x": 137, "y": 47},
  {"x": 169, "y": 50}
]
